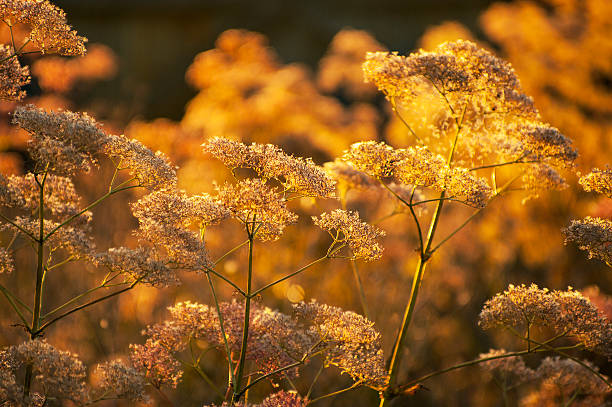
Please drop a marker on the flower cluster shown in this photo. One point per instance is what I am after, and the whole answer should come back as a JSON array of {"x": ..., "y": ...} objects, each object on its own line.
[
  {"x": 563, "y": 380},
  {"x": 279, "y": 399},
  {"x": 56, "y": 74},
  {"x": 12, "y": 75},
  {"x": 258, "y": 206},
  {"x": 62, "y": 142},
  {"x": 346, "y": 227},
  {"x": 121, "y": 381},
  {"x": 57, "y": 374},
  {"x": 352, "y": 343},
  {"x": 49, "y": 30},
  {"x": 152, "y": 170},
  {"x": 275, "y": 339},
  {"x": 511, "y": 369},
  {"x": 419, "y": 167},
  {"x": 164, "y": 217},
  {"x": 140, "y": 264},
  {"x": 7, "y": 264},
  {"x": 593, "y": 235},
  {"x": 155, "y": 362},
  {"x": 567, "y": 312},
  {"x": 598, "y": 181},
  {"x": 270, "y": 162}
]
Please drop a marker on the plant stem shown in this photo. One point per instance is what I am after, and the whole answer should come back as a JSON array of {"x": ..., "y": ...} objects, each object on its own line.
[
  {"x": 258, "y": 291},
  {"x": 247, "y": 317},
  {"x": 231, "y": 378},
  {"x": 354, "y": 385},
  {"x": 362, "y": 297}
]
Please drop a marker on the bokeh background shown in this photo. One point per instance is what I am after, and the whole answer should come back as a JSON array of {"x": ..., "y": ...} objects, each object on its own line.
[{"x": 147, "y": 85}]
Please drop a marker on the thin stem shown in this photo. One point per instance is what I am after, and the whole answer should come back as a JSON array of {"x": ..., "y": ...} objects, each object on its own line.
[
  {"x": 230, "y": 252},
  {"x": 362, "y": 297},
  {"x": 571, "y": 400},
  {"x": 91, "y": 206},
  {"x": 247, "y": 316},
  {"x": 517, "y": 161},
  {"x": 399, "y": 116},
  {"x": 314, "y": 381},
  {"x": 454, "y": 232},
  {"x": 354, "y": 385},
  {"x": 73, "y": 300},
  {"x": 227, "y": 280},
  {"x": 418, "y": 277},
  {"x": 207, "y": 379},
  {"x": 258, "y": 291},
  {"x": 88, "y": 304},
  {"x": 567, "y": 355},
  {"x": 22, "y": 230},
  {"x": 11, "y": 300},
  {"x": 231, "y": 378}
]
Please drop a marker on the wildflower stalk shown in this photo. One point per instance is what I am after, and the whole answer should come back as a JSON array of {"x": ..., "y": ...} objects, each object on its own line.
[
  {"x": 231, "y": 378},
  {"x": 247, "y": 315},
  {"x": 424, "y": 256},
  {"x": 353, "y": 386},
  {"x": 10, "y": 298}
]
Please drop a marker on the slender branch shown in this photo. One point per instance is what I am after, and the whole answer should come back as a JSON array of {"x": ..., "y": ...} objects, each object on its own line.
[
  {"x": 399, "y": 116},
  {"x": 91, "y": 206},
  {"x": 227, "y": 280},
  {"x": 232, "y": 379},
  {"x": 256, "y": 292},
  {"x": 22, "y": 230},
  {"x": 88, "y": 304},
  {"x": 362, "y": 297},
  {"x": 9, "y": 298},
  {"x": 73, "y": 300},
  {"x": 314, "y": 381},
  {"x": 517, "y": 161},
  {"x": 247, "y": 315},
  {"x": 230, "y": 252},
  {"x": 354, "y": 385},
  {"x": 454, "y": 232}
]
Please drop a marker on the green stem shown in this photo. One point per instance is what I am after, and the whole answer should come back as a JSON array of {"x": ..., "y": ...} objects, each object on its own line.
[
  {"x": 91, "y": 206},
  {"x": 88, "y": 304},
  {"x": 399, "y": 116},
  {"x": 22, "y": 230},
  {"x": 354, "y": 385},
  {"x": 258, "y": 291},
  {"x": 247, "y": 319},
  {"x": 231, "y": 377},
  {"x": 230, "y": 252},
  {"x": 11, "y": 300},
  {"x": 227, "y": 280},
  {"x": 362, "y": 297}
]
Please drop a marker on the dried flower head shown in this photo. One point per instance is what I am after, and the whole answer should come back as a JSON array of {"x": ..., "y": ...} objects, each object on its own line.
[
  {"x": 63, "y": 142},
  {"x": 564, "y": 380},
  {"x": 140, "y": 264},
  {"x": 257, "y": 205},
  {"x": 348, "y": 177},
  {"x": 512, "y": 370},
  {"x": 122, "y": 381},
  {"x": 49, "y": 30},
  {"x": 74, "y": 238},
  {"x": 598, "y": 181},
  {"x": 164, "y": 217},
  {"x": 275, "y": 339},
  {"x": 539, "y": 177},
  {"x": 152, "y": 170},
  {"x": 375, "y": 159},
  {"x": 593, "y": 235},
  {"x": 60, "y": 196},
  {"x": 346, "y": 227},
  {"x": 544, "y": 143},
  {"x": 350, "y": 340},
  {"x": 567, "y": 312},
  {"x": 12, "y": 75},
  {"x": 57, "y": 374},
  {"x": 278, "y": 399},
  {"x": 270, "y": 162},
  {"x": 156, "y": 364},
  {"x": 7, "y": 263}
]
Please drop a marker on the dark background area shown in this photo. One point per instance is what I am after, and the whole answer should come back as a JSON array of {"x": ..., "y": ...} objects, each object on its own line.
[{"x": 156, "y": 40}]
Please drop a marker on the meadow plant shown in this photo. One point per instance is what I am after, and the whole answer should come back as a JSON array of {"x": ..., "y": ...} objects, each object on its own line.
[{"x": 484, "y": 139}]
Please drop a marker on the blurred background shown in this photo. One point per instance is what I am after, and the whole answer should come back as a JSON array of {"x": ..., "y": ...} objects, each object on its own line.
[{"x": 170, "y": 74}]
